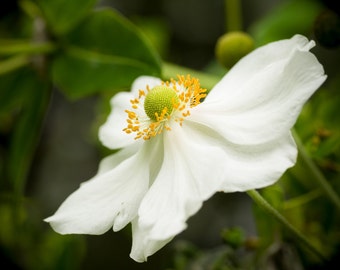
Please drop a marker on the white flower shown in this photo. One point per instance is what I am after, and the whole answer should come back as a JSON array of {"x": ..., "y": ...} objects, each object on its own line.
[{"x": 178, "y": 151}]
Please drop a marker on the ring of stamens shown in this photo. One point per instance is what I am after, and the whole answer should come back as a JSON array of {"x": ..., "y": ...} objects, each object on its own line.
[{"x": 171, "y": 100}]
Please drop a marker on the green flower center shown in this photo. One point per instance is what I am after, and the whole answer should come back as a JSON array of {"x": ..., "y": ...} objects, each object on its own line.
[{"x": 159, "y": 102}]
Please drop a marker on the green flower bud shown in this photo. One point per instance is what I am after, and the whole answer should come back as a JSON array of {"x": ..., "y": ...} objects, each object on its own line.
[{"x": 232, "y": 46}]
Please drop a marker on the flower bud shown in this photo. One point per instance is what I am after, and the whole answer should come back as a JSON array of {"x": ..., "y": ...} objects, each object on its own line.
[{"x": 232, "y": 46}]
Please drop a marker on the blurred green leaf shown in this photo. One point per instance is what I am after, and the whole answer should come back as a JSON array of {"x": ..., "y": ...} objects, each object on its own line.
[
  {"x": 59, "y": 252},
  {"x": 328, "y": 145},
  {"x": 106, "y": 52},
  {"x": 79, "y": 72},
  {"x": 26, "y": 132},
  {"x": 9, "y": 218},
  {"x": 318, "y": 125},
  {"x": 13, "y": 90},
  {"x": 290, "y": 18},
  {"x": 157, "y": 30},
  {"x": 63, "y": 15}
]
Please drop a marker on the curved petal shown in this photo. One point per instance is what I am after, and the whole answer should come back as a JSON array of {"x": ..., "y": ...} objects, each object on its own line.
[
  {"x": 201, "y": 163},
  {"x": 142, "y": 245},
  {"x": 230, "y": 167},
  {"x": 188, "y": 176},
  {"x": 260, "y": 59},
  {"x": 260, "y": 99},
  {"x": 253, "y": 167},
  {"x": 111, "y": 133},
  {"x": 111, "y": 198}
]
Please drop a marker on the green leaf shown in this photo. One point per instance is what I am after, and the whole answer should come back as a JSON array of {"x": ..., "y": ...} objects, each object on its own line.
[
  {"x": 63, "y": 15},
  {"x": 106, "y": 52},
  {"x": 328, "y": 146},
  {"x": 12, "y": 89},
  {"x": 59, "y": 252},
  {"x": 9, "y": 217},
  {"x": 290, "y": 18},
  {"x": 27, "y": 130}
]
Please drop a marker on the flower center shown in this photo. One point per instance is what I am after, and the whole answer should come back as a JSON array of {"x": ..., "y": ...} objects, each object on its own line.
[
  {"x": 160, "y": 100},
  {"x": 171, "y": 100}
]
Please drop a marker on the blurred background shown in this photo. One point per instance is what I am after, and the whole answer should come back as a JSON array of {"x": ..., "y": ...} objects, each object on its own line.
[{"x": 49, "y": 141}]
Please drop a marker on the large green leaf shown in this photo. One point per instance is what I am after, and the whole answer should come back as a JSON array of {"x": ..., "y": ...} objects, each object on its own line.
[
  {"x": 26, "y": 131},
  {"x": 106, "y": 52},
  {"x": 63, "y": 15},
  {"x": 289, "y": 18}
]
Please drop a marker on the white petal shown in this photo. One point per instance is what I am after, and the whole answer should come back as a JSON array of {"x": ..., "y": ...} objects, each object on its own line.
[
  {"x": 253, "y": 167},
  {"x": 259, "y": 59},
  {"x": 230, "y": 167},
  {"x": 142, "y": 246},
  {"x": 111, "y": 198},
  {"x": 111, "y": 133},
  {"x": 197, "y": 163},
  {"x": 260, "y": 99},
  {"x": 188, "y": 176}
]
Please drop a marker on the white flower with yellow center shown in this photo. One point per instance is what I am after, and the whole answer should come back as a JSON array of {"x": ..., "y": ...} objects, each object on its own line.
[{"x": 179, "y": 146}]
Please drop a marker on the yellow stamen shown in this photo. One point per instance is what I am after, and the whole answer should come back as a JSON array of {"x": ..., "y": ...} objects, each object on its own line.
[{"x": 171, "y": 100}]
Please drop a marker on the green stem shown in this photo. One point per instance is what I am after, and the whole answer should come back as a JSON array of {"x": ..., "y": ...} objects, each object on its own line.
[
  {"x": 13, "y": 63},
  {"x": 21, "y": 47},
  {"x": 233, "y": 15},
  {"x": 273, "y": 212},
  {"x": 317, "y": 174},
  {"x": 207, "y": 80}
]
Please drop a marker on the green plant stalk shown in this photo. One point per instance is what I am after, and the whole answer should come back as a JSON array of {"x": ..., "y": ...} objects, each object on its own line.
[
  {"x": 13, "y": 63},
  {"x": 233, "y": 15},
  {"x": 315, "y": 171},
  {"x": 256, "y": 196},
  {"x": 21, "y": 47}
]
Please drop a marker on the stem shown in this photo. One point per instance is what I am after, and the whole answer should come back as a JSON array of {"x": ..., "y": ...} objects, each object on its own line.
[
  {"x": 233, "y": 15},
  {"x": 21, "y": 47},
  {"x": 207, "y": 80},
  {"x": 273, "y": 212},
  {"x": 13, "y": 63},
  {"x": 315, "y": 171}
]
